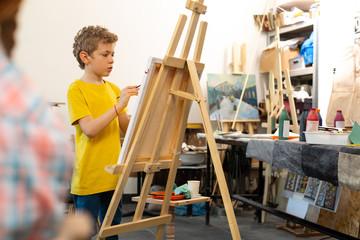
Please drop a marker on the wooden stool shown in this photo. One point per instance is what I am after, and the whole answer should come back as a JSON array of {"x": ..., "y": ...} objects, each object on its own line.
[{"x": 170, "y": 228}]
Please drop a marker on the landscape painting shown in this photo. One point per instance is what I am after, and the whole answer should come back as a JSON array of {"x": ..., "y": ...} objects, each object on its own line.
[{"x": 224, "y": 92}]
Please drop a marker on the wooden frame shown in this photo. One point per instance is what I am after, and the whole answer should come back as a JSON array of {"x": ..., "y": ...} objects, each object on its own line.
[{"x": 156, "y": 132}]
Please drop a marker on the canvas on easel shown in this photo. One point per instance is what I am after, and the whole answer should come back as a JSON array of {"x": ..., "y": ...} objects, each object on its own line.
[
  {"x": 152, "y": 69},
  {"x": 158, "y": 127}
]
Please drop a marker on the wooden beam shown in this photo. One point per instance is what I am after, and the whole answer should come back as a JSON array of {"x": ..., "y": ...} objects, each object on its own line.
[
  {"x": 134, "y": 226},
  {"x": 174, "y": 203},
  {"x": 291, "y": 101},
  {"x": 173, "y": 169},
  {"x": 242, "y": 120},
  {"x": 138, "y": 166},
  {"x": 200, "y": 42},
  {"x": 174, "y": 62},
  {"x": 214, "y": 154},
  {"x": 196, "y": 7},
  {"x": 189, "y": 35},
  {"x": 199, "y": 66},
  {"x": 176, "y": 35},
  {"x": 183, "y": 95}
]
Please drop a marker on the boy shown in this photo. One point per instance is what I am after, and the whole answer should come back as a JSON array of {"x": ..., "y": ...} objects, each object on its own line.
[{"x": 97, "y": 109}]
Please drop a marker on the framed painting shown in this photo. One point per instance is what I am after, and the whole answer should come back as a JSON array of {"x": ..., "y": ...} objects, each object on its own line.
[{"x": 224, "y": 92}]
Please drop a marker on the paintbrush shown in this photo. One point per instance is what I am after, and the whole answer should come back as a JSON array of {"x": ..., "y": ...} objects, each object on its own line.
[{"x": 136, "y": 87}]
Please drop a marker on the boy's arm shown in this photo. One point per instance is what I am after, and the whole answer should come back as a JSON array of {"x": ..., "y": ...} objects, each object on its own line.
[
  {"x": 124, "y": 122},
  {"x": 91, "y": 127}
]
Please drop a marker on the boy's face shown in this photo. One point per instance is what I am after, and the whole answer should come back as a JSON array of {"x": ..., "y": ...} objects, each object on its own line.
[{"x": 102, "y": 59}]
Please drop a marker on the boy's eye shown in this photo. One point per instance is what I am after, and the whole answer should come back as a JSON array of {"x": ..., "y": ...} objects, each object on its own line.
[{"x": 105, "y": 55}]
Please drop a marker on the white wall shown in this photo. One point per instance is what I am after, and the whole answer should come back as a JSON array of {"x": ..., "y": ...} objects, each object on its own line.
[
  {"x": 47, "y": 28},
  {"x": 336, "y": 31}
]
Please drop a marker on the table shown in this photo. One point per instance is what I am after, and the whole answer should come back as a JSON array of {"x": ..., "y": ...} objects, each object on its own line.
[
  {"x": 235, "y": 142},
  {"x": 170, "y": 228},
  {"x": 339, "y": 165}
]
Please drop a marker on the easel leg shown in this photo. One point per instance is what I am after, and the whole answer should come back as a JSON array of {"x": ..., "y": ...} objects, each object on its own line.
[
  {"x": 266, "y": 190},
  {"x": 170, "y": 229},
  {"x": 173, "y": 168},
  {"x": 214, "y": 153}
]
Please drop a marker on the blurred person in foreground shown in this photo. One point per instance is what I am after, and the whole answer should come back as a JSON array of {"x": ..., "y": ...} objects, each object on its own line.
[{"x": 35, "y": 155}]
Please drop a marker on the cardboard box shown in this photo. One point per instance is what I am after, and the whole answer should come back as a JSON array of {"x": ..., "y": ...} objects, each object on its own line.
[
  {"x": 297, "y": 63},
  {"x": 267, "y": 60}
]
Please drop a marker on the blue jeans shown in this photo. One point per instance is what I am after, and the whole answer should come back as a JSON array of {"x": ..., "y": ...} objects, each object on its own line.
[{"x": 97, "y": 205}]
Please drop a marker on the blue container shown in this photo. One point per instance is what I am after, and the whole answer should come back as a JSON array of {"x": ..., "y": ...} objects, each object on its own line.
[
  {"x": 307, "y": 50},
  {"x": 198, "y": 209}
]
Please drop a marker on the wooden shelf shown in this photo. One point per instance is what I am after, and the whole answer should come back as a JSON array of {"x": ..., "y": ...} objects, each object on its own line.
[
  {"x": 174, "y": 203},
  {"x": 294, "y": 29},
  {"x": 301, "y": 72}
]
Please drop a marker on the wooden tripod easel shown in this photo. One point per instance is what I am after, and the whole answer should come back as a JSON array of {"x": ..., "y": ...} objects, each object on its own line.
[
  {"x": 274, "y": 105},
  {"x": 155, "y": 142}
]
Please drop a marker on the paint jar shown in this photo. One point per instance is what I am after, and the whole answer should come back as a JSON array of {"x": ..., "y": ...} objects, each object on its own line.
[
  {"x": 339, "y": 121},
  {"x": 284, "y": 125},
  {"x": 312, "y": 121}
]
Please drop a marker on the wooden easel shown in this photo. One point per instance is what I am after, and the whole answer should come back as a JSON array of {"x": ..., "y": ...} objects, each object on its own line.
[
  {"x": 275, "y": 99},
  {"x": 156, "y": 140},
  {"x": 275, "y": 103},
  {"x": 248, "y": 125}
]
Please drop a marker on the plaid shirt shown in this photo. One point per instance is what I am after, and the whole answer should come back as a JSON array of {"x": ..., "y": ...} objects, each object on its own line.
[{"x": 35, "y": 159}]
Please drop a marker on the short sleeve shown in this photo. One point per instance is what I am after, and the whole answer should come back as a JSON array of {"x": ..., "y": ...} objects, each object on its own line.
[{"x": 77, "y": 105}]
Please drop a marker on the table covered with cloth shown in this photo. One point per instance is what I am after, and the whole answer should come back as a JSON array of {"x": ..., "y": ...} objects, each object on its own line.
[{"x": 339, "y": 165}]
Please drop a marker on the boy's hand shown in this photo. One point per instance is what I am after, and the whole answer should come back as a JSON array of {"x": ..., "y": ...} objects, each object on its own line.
[{"x": 125, "y": 95}]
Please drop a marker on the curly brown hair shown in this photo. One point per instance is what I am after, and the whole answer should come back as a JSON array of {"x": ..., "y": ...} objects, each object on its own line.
[
  {"x": 8, "y": 13},
  {"x": 88, "y": 39}
]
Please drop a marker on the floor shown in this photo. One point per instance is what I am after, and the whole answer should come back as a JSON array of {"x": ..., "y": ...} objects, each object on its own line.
[{"x": 193, "y": 227}]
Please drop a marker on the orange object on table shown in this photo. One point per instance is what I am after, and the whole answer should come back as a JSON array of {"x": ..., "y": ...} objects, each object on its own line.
[
  {"x": 290, "y": 137},
  {"x": 160, "y": 195}
]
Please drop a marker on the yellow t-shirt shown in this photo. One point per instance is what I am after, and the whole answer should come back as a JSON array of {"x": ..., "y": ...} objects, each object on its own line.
[{"x": 93, "y": 154}]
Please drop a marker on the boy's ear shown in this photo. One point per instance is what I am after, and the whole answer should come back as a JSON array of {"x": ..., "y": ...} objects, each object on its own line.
[{"x": 84, "y": 57}]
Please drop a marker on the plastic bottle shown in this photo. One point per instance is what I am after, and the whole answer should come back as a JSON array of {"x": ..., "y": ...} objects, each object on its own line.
[
  {"x": 303, "y": 118},
  {"x": 284, "y": 125},
  {"x": 272, "y": 124},
  {"x": 339, "y": 121},
  {"x": 320, "y": 118},
  {"x": 312, "y": 121}
]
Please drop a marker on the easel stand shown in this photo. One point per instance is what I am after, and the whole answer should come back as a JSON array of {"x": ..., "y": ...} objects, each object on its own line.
[
  {"x": 298, "y": 230},
  {"x": 249, "y": 125},
  {"x": 274, "y": 105},
  {"x": 156, "y": 141},
  {"x": 275, "y": 94}
]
